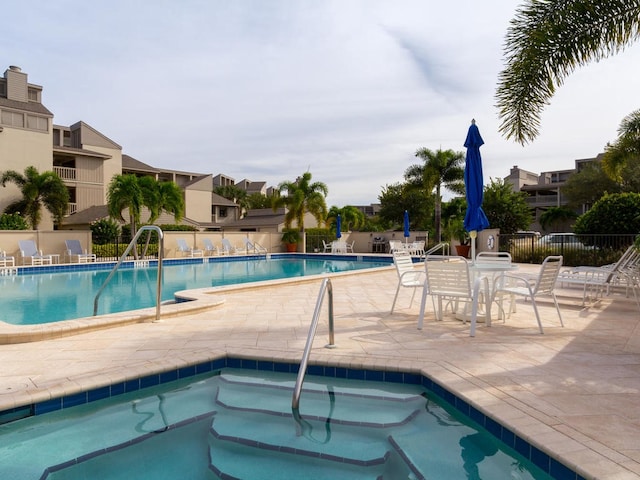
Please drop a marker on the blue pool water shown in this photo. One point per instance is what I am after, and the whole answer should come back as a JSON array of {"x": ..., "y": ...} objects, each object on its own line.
[
  {"x": 52, "y": 297},
  {"x": 209, "y": 427}
]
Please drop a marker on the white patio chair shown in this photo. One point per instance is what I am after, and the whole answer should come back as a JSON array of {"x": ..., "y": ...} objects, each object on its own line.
[
  {"x": 328, "y": 247},
  {"x": 349, "y": 246},
  {"x": 188, "y": 251},
  {"x": 449, "y": 279},
  {"x": 543, "y": 284},
  {"x": 408, "y": 275}
]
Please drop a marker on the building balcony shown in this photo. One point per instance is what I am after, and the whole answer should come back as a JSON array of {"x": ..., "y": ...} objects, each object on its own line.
[{"x": 65, "y": 173}]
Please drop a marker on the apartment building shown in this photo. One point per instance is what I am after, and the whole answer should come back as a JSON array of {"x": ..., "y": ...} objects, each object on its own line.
[
  {"x": 545, "y": 190},
  {"x": 86, "y": 160}
]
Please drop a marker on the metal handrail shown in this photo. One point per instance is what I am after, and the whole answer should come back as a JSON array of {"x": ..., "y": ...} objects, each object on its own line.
[
  {"x": 325, "y": 287},
  {"x": 145, "y": 228},
  {"x": 444, "y": 246}
]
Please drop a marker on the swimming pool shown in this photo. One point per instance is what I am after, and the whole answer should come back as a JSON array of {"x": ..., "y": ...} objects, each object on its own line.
[
  {"x": 204, "y": 427},
  {"x": 63, "y": 294}
]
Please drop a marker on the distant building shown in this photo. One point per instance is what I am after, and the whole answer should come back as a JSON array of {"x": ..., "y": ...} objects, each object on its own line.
[{"x": 546, "y": 189}]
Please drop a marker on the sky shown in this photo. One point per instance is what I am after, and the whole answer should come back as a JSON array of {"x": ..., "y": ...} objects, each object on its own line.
[{"x": 269, "y": 89}]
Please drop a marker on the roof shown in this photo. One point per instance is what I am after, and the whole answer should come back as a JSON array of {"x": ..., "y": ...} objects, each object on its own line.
[
  {"x": 87, "y": 216},
  {"x": 221, "y": 201},
  {"x": 34, "y": 107},
  {"x": 80, "y": 151},
  {"x": 130, "y": 163}
]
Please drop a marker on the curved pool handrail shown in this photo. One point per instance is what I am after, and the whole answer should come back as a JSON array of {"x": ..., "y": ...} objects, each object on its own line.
[
  {"x": 325, "y": 287},
  {"x": 145, "y": 228}
]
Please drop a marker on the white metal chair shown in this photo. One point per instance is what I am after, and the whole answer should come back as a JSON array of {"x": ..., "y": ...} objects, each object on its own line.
[
  {"x": 408, "y": 275},
  {"x": 449, "y": 278},
  {"x": 188, "y": 251},
  {"x": 544, "y": 284}
]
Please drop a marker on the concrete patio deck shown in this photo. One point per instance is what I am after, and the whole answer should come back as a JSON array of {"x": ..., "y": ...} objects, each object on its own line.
[{"x": 573, "y": 391}]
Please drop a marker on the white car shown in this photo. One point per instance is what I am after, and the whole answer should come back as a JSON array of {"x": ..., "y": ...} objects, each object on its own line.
[{"x": 562, "y": 240}]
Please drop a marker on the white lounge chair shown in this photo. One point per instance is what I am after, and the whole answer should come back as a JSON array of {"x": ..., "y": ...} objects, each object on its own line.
[
  {"x": 542, "y": 285},
  {"x": 188, "y": 251},
  {"x": 74, "y": 250},
  {"x": 449, "y": 279},
  {"x": 29, "y": 250},
  {"x": 254, "y": 247},
  {"x": 209, "y": 247},
  {"x": 6, "y": 260},
  {"x": 229, "y": 249},
  {"x": 328, "y": 247},
  {"x": 408, "y": 275}
]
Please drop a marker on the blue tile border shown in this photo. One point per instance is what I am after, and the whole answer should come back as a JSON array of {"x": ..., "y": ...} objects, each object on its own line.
[
  {"x": 539, "y": 458},
  {"x": 82, "y": 267}
]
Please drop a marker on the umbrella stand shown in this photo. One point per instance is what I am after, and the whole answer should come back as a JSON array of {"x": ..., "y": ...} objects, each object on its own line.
[{"x": 473, "y": 234}]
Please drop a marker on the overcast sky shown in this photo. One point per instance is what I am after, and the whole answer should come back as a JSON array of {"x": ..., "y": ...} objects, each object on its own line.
[{"x": 268, "y": 89}]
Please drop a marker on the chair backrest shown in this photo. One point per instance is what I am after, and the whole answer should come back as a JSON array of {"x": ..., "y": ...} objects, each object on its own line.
[
  {"x": 226, "y": 245},
  {"x": 448, "y": 275},
  {"x": 208, "y": 244},
  {"x": 248, "y": 244},
  {"x": 548, "y": 274},
  {"x": 395, "y": 245},
  {"x": 74, "y": 247},
  {"x": 28, "y": 248},
  {"x": 182, "y": 245},
  {"x": 403, "y": 262},
  {"x": 491, "y": 257}
]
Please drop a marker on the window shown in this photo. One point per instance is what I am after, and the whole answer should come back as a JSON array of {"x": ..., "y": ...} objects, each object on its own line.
[
  {"x": 37, "y": 123},
  {"x": 3, "y": 88},
  {"x": 33, "y": 95},
  {"x": 222, "y": 212},
  {"x": 12, "y": 118}
]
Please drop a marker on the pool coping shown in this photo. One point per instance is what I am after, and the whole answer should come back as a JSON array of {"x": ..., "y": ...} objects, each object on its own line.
[{"x": 186, "y": 301}]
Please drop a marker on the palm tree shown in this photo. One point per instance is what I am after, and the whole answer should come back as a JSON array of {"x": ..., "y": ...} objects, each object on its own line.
[
  {"x": 546, "y": 42},
  {"x": 301, "y": 197},
  {"x": 441, "y": 168},
  {"x": 125, "y": 193},
  {"x": 168, "y": 198},
  {"x": 38, "y": 190},
  {"x": 625, "y": 149},
  {"x": 352, "y": 218}
]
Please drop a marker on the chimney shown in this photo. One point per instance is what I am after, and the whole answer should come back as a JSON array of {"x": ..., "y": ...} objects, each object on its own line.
[{"x": 16, "y": 84}]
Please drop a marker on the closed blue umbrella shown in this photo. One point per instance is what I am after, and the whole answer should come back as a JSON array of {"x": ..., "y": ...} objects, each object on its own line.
[
  {"x": 338, "y": 226},
  {"x": 407, "y": 233},
  {"x": 474, "y": 220}
]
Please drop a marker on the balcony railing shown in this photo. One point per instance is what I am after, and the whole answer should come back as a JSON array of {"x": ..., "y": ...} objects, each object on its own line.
[
  {"x": 72, "y": 208},
  {"x": 65, "y": 173}
]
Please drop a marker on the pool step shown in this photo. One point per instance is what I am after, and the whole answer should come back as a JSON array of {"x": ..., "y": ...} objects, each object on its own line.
[
  {"x": 236, "y": 460},
  {"x": 348, "y": 406}
]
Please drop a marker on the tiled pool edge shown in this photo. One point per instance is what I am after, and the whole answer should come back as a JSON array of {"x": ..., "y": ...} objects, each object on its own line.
[{"x": 538, "y": 457}]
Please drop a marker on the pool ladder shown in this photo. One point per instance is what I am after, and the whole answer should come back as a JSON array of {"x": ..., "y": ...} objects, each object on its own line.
[
  {"x": 145, "y": 228},
  {"x": 324, "y": 288}
]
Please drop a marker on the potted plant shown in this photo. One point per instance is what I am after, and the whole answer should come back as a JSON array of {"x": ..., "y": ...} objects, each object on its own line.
[
  {"x": 291, "y": 238},
  {"x": 456, "y": 231}
]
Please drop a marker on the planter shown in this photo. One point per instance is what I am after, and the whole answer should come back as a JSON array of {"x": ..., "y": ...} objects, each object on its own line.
[
  {"x": 463, "y": 250},
  {"x": 291, "y": 247}
]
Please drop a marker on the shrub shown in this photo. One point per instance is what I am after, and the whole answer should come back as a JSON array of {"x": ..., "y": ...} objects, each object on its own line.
[
  {"x": 13, "y": 221},
  {"x": 104, "y": 231}
]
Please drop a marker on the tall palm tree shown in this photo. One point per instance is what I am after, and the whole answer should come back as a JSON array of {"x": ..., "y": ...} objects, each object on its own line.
[
  {"x": 546, "y": 42},
  {"x": 125, "y": 193},
  {"x": 38, "y": 190},
  {"x": 300, "y": 197},
  {"x": 441, "y": 168}
]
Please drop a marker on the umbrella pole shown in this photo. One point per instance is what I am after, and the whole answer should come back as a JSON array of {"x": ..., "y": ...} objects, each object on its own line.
[{"x": 473, "y": 234}]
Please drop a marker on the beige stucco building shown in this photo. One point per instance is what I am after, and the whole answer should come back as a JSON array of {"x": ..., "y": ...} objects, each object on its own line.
[{"x": 86, "y": 160}]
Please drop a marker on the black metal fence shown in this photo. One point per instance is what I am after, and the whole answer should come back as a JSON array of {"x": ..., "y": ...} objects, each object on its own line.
[
  {"x": 113, "y": 250},
  {"x": 577, "y": 250}
]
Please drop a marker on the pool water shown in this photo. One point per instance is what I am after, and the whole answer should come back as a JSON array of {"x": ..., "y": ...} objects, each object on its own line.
[
  {"x": 239, "y": 424},
  {"x": 52, "y": 297}
]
